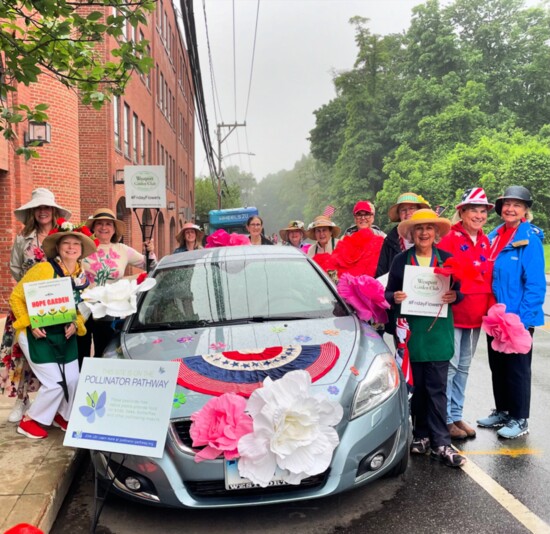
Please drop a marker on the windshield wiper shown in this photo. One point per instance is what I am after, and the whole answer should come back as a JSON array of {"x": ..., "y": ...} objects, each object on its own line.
[{"x": 170, "y": 325}]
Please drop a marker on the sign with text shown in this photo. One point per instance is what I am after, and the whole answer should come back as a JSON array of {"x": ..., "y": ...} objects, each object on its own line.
[
  {"x": 122, "y": 406},
  {"x": 424, "y": 291},
  {"x": 145, "y": 186},
  {"x": 50, "y": 302}
]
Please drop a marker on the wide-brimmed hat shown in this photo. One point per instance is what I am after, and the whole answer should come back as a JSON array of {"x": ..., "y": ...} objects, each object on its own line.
[
  {"x": 424, "y": 216},
  {"x": 319, "y": 222},
  {"x": 517, "y": 192},
  {"x": 292, "y": 226},
  {"x": 407, "y": 198},
  {"x": 475, "y": 196},
  {"x": 40, "y": 197},
  {"x": 364, "y": 205},
  {"x": 189, "y": 226},
  {"x": 81, "y": 231},
  {"x": 105, "y": 214}
]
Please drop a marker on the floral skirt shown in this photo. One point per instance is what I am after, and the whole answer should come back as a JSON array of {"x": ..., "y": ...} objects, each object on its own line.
[{"x": 16, "y": 377}]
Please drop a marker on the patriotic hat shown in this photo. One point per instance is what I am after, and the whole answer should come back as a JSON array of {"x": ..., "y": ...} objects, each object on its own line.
[
  {"x": 475, "y": 197},
  {"x": 363, "y": 205}
]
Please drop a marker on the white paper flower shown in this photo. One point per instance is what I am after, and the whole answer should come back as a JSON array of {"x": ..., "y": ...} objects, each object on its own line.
[
  {"x": 67, "y": 226},
  {"x": 117, "y": 300},
  {"x": 293, "y": 430}
]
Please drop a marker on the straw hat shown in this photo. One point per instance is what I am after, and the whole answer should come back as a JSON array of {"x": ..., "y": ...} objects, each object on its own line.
[
  {"x": 49, "y": 245},
  {"x": 475, "y": 196},
  {"x": 292, "y": 226},
  {"x": 424, "y": 216},
  {"x": 319, "y": 222},
  {"x": 105, "y": 214},
  {"x": 189, "y": 226},
  {"x": 407, "y": 198},
  {"x": 40, "y": 197}
]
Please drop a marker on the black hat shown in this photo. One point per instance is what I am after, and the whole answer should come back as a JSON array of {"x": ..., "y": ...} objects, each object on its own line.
[{"x": 517, "y": 192}]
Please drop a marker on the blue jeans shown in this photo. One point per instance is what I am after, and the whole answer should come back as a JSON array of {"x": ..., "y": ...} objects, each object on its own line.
[{"x": 465, "y": 345}]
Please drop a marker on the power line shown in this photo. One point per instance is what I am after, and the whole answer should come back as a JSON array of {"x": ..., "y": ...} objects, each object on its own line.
[{"x": 252, "y": 62}]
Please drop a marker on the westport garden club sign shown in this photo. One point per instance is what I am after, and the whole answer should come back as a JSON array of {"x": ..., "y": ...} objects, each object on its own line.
[{"x": 145, "y": 186}]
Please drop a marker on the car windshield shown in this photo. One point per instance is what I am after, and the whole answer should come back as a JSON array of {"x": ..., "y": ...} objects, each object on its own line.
[{"x": 235, "y": 291}]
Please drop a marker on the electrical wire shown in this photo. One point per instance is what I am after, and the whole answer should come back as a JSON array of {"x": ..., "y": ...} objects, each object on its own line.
[{"x": 252, "y": 62}]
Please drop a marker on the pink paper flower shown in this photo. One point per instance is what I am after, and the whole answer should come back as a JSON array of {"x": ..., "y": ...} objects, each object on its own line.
[
  {"x": 219, "y": 425},
  {"x": 509, "y": 334},
  {"x": 365, "y": 295},
  {"x": 219, "y": 345},
  {"x": 220, "y": 238}
]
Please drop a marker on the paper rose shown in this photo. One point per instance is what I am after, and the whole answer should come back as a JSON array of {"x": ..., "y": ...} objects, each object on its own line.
[
  {"x": 117, "y": 300},
  {"x": 219, "y": 425},
  {"x": 293, "y": 430},
  {"x": 509, "y": 334},
  {"x": 365, "y": 295},
  {"x": 220, "y": 238}
]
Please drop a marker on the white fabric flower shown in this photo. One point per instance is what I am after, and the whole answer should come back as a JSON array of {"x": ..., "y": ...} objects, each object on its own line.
[
  {"x": 292, "y": 431},
  {"x": 67, "y": 226},
  {"x": 118, "y": 299}
]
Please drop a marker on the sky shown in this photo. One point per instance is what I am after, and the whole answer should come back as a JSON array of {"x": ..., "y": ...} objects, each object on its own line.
[{"x": 300, "y": 45}]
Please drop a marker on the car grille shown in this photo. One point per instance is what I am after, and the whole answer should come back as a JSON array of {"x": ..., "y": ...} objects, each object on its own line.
[{"x": 216, "y": 488}]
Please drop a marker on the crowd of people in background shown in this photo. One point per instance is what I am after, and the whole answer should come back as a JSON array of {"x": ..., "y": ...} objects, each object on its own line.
[{"x": 507, "y": 266}]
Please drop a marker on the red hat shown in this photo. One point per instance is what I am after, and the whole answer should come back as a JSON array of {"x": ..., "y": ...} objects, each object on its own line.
[{"x": 364, "y": 205}]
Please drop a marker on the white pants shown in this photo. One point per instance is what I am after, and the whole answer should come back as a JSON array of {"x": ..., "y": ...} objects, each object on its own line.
[{"x": 50, "y": 399}]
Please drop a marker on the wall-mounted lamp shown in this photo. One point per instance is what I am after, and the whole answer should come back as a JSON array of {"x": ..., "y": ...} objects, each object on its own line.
[
  {"x": 171, "y": 205},
  {"x": 118, "y": 178},
  {"x": 38, "y": 133}
]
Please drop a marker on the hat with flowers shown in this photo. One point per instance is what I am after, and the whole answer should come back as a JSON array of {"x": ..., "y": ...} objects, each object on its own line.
[{"x": 65, "y": 228}]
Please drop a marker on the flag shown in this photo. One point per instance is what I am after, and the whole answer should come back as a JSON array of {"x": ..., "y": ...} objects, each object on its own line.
[
  {"x": 403, "y": 334},
  {"x": 439, "y": 210},
  {"x": 329, "y": 211}
]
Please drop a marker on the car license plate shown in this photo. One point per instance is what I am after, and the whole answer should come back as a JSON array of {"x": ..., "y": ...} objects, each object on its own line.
[{"x": 234, "y": 481}]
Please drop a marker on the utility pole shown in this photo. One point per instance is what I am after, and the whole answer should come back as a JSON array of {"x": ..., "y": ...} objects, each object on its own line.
[{"x": 220, "y": 141}]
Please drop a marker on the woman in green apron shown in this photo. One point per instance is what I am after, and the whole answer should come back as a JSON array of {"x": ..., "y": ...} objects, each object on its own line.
[
  {"x": 52, "y": 351},
  {"x": 430, "y": 340}
]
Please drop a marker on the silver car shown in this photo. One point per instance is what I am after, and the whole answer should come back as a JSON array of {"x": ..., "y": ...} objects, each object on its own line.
[{"x": 213, "y": 303}]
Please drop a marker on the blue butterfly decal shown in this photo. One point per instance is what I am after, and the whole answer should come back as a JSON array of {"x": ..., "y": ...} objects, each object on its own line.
[{"x": 95, "y": 405}]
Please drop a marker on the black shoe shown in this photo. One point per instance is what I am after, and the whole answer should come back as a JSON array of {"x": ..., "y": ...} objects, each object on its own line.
[{"x": 448, "y": 456}]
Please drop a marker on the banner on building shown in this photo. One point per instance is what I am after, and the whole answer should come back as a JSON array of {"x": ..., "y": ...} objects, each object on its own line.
[{"x": 145, "y": 186}]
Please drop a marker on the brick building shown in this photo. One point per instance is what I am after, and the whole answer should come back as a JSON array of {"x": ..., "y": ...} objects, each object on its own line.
[{"x": 151, "y": 124}]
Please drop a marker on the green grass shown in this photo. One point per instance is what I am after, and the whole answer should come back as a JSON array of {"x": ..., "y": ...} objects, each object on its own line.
[{"x": 547, "y": 259}]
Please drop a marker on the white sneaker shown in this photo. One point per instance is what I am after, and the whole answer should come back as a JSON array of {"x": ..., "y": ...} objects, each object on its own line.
[{"x": 17, "y": 412}]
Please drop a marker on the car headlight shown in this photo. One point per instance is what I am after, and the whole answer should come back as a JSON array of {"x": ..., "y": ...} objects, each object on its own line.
[{"x": 381, "y": 381}]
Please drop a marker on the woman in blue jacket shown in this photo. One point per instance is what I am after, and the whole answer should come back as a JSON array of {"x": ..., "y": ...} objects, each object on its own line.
[{"x": 519, "y": 283}]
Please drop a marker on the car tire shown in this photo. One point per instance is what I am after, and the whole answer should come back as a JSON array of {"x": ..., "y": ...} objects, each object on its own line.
[{"x": 400, "y": 467}]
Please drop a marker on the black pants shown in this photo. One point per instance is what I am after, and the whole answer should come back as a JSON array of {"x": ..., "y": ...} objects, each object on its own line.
[
  {"x": 429, "y": 402},
  {"x": 98, "y": 330},
  {"x": 511, "y": 375}
]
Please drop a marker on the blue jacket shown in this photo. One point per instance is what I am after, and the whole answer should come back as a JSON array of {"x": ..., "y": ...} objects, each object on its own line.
[{"x": 518, "y": 274}]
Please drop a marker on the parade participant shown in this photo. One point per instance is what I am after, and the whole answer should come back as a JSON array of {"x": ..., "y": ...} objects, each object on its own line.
[
  {"x": 189, "y": 238},
  {"x": 363, "y": 213},
  {"x": 105, "y": 266},
  {"x": 294, "y": 234},
  {"x": 38, "y": 216},
  {"x": 324, "y": 232},
  {"x": 406, "y": 205},
  {"x": 431, "y": 341},
  {"x": 519, "y": 283},
  {"x": 255, "y": 227},
  {"x": 52, "y": 351},
  {"x": 468, "y": 244}
]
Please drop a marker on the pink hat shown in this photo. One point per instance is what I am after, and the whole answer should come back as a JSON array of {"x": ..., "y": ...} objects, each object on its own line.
[
  {"x": 475, "y": 197},
  {"x": 364, "y": 205}
]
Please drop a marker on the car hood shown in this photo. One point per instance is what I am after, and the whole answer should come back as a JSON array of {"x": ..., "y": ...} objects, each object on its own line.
[{"x": 357, "y": 344}]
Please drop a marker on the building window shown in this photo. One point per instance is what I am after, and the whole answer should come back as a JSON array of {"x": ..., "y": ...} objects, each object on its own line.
[
  {"x": 161, "y": 103},
  {"x": 142, "y": 143},
  {"x": 127, "y": 130},
  {"x": 135, "y": 123},
  {"x": 148, "y": 77},
  {"x": 116, "y": 120},
  {"x": 149, "y": 147}
]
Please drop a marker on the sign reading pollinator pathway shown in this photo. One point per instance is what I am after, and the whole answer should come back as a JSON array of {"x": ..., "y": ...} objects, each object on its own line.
[{"x": 145, "y": 186}]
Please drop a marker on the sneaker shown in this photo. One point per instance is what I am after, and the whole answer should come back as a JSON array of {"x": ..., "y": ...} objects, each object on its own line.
[
  {"x": 448, "y": 456},
  {"x": 31, "y": 429},
  {"x": 19, "y": 408},
  {"x": 420, "y": 445},
  {"x": 60, "y": 422},
  {"x": 514, "y": 429},
  {"x": 456, "y": 432},
  {"x": 495, "y": 419}
]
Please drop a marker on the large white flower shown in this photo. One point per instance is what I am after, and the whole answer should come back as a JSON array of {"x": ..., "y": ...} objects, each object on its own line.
[
  {"x": 292, "y": 431},
  {"x": 117, "y": 300}
]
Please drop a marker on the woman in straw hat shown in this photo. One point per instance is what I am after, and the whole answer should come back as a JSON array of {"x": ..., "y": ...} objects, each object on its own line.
[
  {"x": 324, "y": 232},
  {"x": 106, "y": 266},
  {"x": 467, "y": 243},
  {"x": 430, "y": 342},
  {"x": 189, "y": 238},
  {"x": 38, "y": 217},
  {"x": 294, "y": 234},
  {"x": 52, "y": 351}
]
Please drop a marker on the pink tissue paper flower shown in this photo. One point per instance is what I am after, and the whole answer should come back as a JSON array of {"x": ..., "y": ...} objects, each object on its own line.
[
  {"x": 510, "y": 336},
  {"x": 365, "y": 295},
  {"x": 219, "y": 425},
  {"x": 220, "y": 238}
]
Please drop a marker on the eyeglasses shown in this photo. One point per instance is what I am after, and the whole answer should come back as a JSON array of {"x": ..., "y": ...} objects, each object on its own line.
[
  {"x": 408, "y": 209},
  {"x": 364, "y": 215},
  {"x": 255, "y": 224}
]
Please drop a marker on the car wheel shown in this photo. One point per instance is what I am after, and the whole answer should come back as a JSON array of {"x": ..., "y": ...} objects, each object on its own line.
[{"x": 400, "y": 467}]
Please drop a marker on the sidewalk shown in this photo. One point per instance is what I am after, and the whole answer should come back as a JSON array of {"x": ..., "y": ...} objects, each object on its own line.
[{"x": 36, "y": 474}]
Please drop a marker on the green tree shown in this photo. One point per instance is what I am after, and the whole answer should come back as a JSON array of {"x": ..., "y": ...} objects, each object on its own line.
[
  {"x": 206, "y": 198},
  {"x": 62, "y": 39}
]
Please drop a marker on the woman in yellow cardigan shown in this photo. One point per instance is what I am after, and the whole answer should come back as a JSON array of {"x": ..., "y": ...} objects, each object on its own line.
[{"x": 52, "y": 352}]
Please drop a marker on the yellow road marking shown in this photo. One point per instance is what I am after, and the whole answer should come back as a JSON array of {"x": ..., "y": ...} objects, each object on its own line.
[
  {"x": 528, "y": 519},
  {"x": 503, "y": 452}
]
